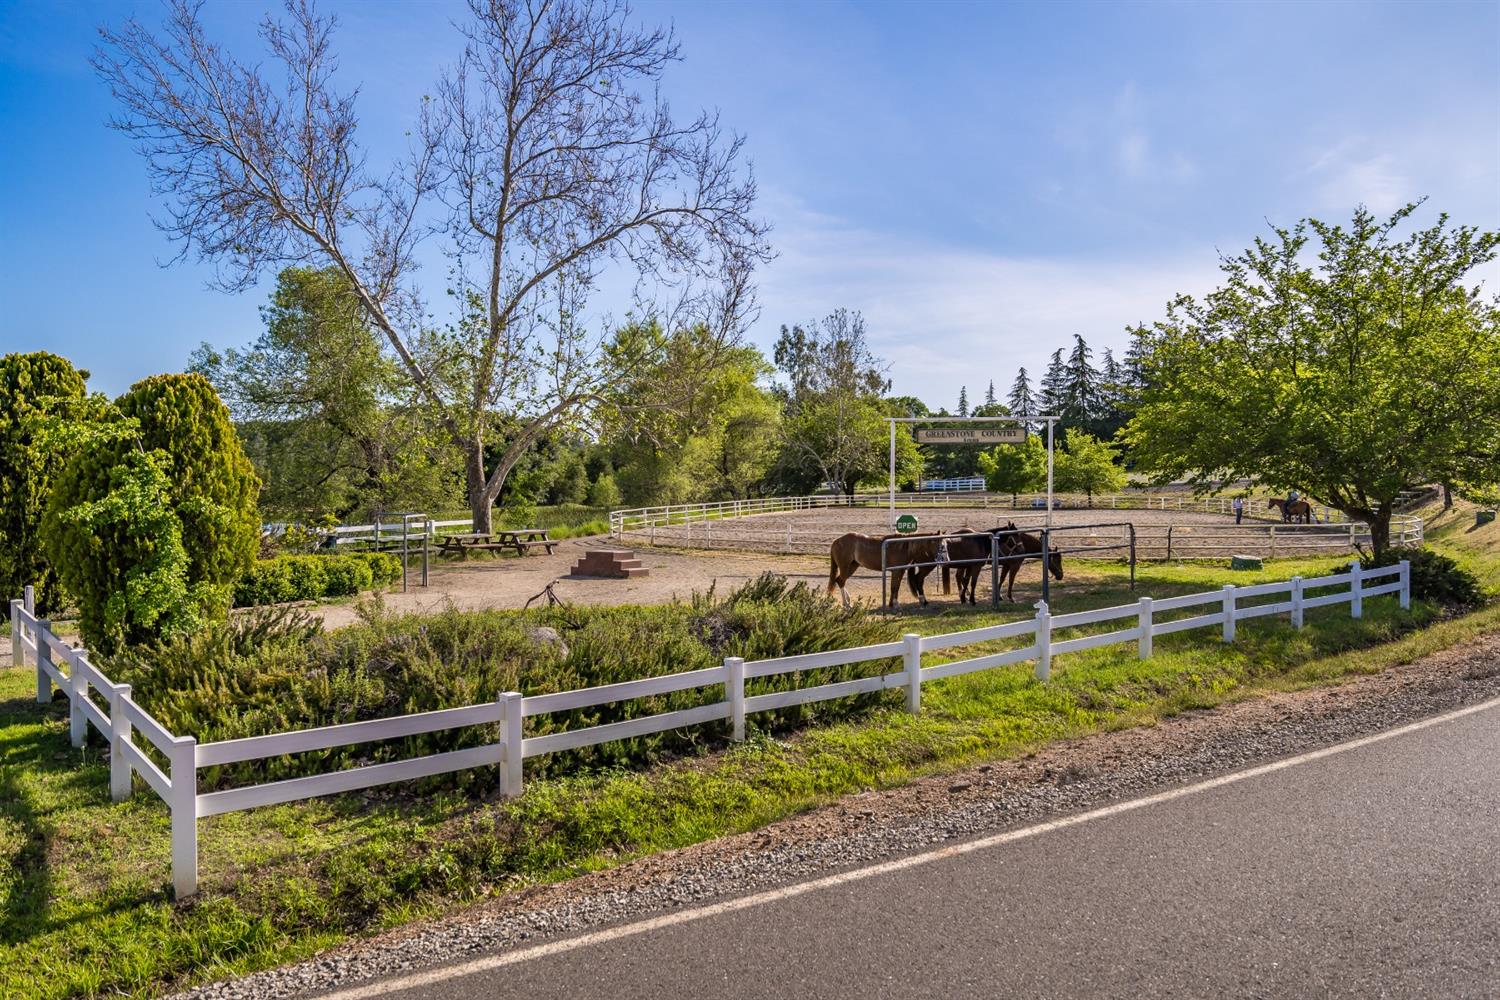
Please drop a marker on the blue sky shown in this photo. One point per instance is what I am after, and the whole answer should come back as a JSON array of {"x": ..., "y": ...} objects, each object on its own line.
[{"x": 982, "y": 181}]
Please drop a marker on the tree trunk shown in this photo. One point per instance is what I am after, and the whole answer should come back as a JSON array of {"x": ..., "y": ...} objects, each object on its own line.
[
  {"x": 481, "y": 506},
  {"x": 1380, "y": 530},
  {"x": 1447, "y": 496}
]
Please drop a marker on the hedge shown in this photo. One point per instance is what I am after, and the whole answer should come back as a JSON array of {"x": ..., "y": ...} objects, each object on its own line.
[{"x": 310, "y": 577}]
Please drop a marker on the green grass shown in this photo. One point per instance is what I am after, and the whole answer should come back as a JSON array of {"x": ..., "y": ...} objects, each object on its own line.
[{"x": 84, "y": 904}]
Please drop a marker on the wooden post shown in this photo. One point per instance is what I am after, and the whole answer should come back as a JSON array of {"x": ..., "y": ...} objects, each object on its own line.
[
  {"x": 511, "y": 736},
  {"x": 1143, "y": 623},
  {"x": 1297, "y": 601},
  {"x": 119, "y": 725},
  {"x": 43, "y": 655},
  {"x": 1228, "y": 612},
  {"x": 734, "y": 693},
  {"x": 1356, "y": 589},
  {"x": 1405, "y": 584},
  {"x": 78, "y": 689},
  {"x": 913, "y": 657},
  {"x": 1043, "y": 640},
  {"x": 184, "y": 778},
  {"x": 17, "y": 656}
]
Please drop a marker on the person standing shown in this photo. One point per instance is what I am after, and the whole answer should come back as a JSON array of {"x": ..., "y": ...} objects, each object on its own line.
[{"x": 1239, "y": 509}]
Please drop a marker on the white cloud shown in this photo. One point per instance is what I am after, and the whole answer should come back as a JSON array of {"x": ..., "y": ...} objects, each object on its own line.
[
  {"x": 946, "y": 316},
  {"x": 1348, "y": 174}
]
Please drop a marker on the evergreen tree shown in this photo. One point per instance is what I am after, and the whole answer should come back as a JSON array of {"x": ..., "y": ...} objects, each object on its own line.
[
  {"x": 1021, "y": 400},
  {"x": 1080, "y": 392},
  {"x": 989, "y": 394},
  {"x": 963, "y": 401},
  {"x": 1111, "y": 396},
  {"x": 1052, "y": 393}
]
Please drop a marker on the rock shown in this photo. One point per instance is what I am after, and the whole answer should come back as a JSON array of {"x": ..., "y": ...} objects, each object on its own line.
[
  {"x": 549, "y": 639},
  {"x": 1483, "y": 517},
  {"x": 1245, "y": 562}
]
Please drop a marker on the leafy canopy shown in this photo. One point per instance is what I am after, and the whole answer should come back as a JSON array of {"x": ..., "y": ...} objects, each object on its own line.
[{"x": 1348, "y": 362}]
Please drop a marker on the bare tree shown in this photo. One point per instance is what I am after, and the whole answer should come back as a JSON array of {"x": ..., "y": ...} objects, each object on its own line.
[{"x": 543, "y": 158}]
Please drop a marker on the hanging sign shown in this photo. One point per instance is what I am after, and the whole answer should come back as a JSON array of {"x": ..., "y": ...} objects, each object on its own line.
[{"x": 971, "y": 435}]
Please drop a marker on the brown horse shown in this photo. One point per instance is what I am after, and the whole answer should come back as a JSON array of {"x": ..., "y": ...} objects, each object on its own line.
[
  {"x": 1292, "y": 510},
  {"x": 1027, "y": 546},
  {"x": 969, "y": 553},
  {"x": 849, "y": 552}
]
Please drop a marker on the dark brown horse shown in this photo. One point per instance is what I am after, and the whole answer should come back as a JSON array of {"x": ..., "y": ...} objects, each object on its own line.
[
  {"x": 849, "y": 552},
  {"x": 1027, "y": 546},
  {"x": 1292, "y": 510},
  {"x": 969, "y": 553}
]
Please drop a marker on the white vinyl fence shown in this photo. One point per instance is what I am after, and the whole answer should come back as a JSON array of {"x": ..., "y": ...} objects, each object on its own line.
[{"x": 67, "y": 667}]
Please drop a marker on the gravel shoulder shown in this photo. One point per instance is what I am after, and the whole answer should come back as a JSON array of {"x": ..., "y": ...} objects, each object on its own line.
[{"x": 1063, "y": 778}]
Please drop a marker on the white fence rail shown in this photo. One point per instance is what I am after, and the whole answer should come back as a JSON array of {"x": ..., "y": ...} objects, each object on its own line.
[
  {"x": 696, "y": 525},
  {"x": 69, "y": 669}
]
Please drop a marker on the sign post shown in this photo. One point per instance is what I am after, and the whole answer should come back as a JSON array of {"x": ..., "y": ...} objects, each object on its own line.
[{"x": 981, "y": 435}]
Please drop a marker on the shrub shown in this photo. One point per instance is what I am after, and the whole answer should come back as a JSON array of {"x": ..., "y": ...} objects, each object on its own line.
[
  {"x": 161, "y": 498},
  {"x": 1435, "y": 578},
  {"x": 604, "y": 492},
  {"x": 32, "y": 387},
  {"x": 309, "y": 577},
  {"x": 271, "y": 671}
]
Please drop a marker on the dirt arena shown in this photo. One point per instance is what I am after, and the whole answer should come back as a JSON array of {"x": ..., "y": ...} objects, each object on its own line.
[{"x": 724, "y": 554}]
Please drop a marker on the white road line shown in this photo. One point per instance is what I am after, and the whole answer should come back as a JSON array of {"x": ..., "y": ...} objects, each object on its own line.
[{"x": 490, "y": 962}]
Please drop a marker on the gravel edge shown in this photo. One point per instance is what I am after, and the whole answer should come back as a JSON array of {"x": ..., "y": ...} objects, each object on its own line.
[{"x": 1066, "y": 777}]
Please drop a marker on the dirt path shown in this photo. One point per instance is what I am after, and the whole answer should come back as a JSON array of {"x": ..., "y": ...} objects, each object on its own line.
[{"x": 486, "y": 582}]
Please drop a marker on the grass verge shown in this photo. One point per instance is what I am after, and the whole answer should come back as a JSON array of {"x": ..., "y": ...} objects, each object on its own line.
[{"x": 84, "y": 907}]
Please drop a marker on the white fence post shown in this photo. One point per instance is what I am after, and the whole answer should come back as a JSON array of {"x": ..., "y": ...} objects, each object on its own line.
[
  {"x": 78, "y": 689},
  {"x": 913, "y": 657},
  {"x": 510, "y": 738},
  {"x": 43, "y": 655},
  {"x": 1273, "y": 541},
  {"x": 1356, "y": 589},
  {"x": 734, "y": 693},
  {"x": 1228, "y": 612},
  {"x": 17, "y": 657},
  {"x": 1043, "y": 641},
  {"x": 119, "y": 725},
  {"x": 184, "y": 778},
  {"x": 1405, "y": 584},
  {"x": 1297, "y": 601},
  {"x": 1143, "y": 623}
]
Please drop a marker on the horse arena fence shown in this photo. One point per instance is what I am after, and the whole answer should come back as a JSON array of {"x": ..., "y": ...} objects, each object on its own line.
[
  {"x": 137, "y": 741},
  {"x": 791, "y": 524}
]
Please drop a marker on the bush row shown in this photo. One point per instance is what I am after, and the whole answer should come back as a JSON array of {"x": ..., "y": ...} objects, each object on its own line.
[
  {"x": 310, "y": 577},
  {"x": 274, "y": 670}
]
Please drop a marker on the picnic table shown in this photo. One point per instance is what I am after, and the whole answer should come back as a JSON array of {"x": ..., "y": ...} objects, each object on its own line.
[{"x": 523, "y": 540}]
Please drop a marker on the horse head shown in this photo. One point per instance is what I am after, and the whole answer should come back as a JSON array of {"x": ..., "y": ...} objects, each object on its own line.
[{"x": 1054, "y": 564}]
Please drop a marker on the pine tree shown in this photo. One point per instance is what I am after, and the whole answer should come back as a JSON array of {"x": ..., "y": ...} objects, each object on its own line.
[
  {"x": 963, "y": 401},
  {"x": 1111, "y": 396},
  {"x": 1080, "y": 394},
  {"x": 1051, "y": 396},
  {"x": 989, "y": 395},
  {"x": 1021, "y": 400}
]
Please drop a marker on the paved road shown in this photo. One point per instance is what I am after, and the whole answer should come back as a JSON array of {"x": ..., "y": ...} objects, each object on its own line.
[{"x": 1366, "y": 873}]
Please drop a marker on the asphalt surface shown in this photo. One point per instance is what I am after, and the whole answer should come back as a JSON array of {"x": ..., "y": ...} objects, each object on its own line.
[{"x": 1373, "y": 872}]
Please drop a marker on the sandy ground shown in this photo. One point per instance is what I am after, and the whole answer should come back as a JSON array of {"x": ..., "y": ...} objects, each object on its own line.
[{"x": 507, "y": 582}]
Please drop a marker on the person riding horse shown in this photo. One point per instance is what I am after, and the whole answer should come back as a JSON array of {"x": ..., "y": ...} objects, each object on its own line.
[{"x": 1292, "y": 509}]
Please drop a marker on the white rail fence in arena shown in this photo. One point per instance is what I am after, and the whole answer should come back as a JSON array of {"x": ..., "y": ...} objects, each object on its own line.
[
  {"x": 698, "y": 525},
  {"x": 124, "y": 723}
]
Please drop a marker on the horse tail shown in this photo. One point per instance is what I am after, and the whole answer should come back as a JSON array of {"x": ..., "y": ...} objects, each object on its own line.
[{"x": 833, "y": 572}]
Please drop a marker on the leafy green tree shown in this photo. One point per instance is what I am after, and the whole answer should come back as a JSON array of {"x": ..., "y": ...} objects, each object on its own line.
[
  {"x": 1350, "y": 363},
  {"x": 604, "y": 492},
  {"x": 33, "y": 387},
  {"x": 332, "y": 424},
  {"x": 834, "y": 426},
  {"x": 1015, "y": 468},
  {"x": 153, "y": 517},
  {"x": 1086, "y": 465}
]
